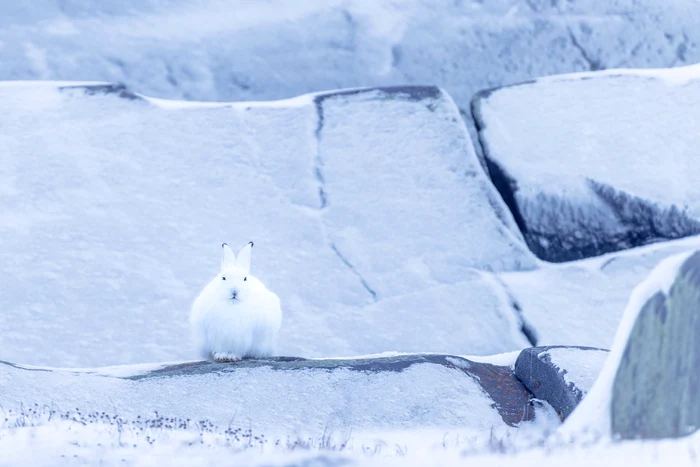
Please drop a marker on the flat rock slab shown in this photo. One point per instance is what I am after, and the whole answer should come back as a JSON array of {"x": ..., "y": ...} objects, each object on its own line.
[
  {"x": 340, "y": 191},
  {"x": 656, "y": 387},
  {"x": 289, "y": 393},
  {"x": 510, "y": 398},
  {"x": 596, "y": 162},
  {"x": 560, "y": 375}
]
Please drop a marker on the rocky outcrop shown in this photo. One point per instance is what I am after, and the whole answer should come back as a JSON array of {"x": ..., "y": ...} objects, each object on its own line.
[
  {"x": 560, "y": 375},
  {"x": 373, "y": 218},
  {"x": 290, "y": 393},
  {"x": 656, "y": 387},
  {"x": 510, "y": 398},
  {"x": 584, "y": 177}
]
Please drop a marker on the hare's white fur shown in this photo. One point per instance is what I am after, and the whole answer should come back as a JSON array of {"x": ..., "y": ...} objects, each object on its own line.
[{"x": 235, "y": 316}]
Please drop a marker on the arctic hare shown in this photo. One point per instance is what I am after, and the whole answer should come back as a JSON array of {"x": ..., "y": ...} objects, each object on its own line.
[{"x": 235, "y": 316}]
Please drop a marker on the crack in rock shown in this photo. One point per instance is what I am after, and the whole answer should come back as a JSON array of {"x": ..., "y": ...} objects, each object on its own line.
[
  {"x": 593, "y": 65},
  {"x": 345, "y": 261},
  {"x": 318, "y": 161},
  {"x": 323, "y": 196}
]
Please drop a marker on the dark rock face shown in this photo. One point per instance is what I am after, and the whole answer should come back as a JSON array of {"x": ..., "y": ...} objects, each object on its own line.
[
  {"x": 656, "y": 393},
  {"x": 118, "y": 90},
  {"x": 510, "y": 397},
  {"x": 410, "y": 93},
  {"x": 545, "y": 376}
]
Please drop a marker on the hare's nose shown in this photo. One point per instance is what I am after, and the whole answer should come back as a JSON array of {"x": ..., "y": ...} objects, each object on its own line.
[{"x": 234, "y": 294}]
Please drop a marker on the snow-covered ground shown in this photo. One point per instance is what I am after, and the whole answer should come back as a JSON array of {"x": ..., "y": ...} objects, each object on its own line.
[
  {"x": 581, "y": 302},
  {"x": 599, "y": 174},
  {"x": 77, "y": 439}
]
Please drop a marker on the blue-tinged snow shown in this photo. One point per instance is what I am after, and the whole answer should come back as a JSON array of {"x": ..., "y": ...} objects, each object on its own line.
[
  {"x": 221, "y": 50},
  {"x": 371, "y": 217},
  {"x": 582, "y": 302},
  {"x": 577, "y": 371},
  {"x": 604, "y": 172},
  {"x": 267, "y": 400}
]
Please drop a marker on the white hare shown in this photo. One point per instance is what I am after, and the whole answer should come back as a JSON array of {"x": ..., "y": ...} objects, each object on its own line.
[{"x": 235, "y": 316}]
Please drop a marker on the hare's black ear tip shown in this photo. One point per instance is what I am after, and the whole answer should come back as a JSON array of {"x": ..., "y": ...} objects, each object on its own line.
[
  {"x": 251, "y": 244},
  {"x": 223, "y": 245}
]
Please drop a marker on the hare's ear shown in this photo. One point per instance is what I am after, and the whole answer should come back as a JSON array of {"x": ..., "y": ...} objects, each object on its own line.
[
  {"x": 228, "y": 259},
  {"x": 243, "y": 261}
]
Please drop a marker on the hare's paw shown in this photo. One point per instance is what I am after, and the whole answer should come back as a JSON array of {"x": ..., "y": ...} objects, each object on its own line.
[{"x": 225, "y": 357}]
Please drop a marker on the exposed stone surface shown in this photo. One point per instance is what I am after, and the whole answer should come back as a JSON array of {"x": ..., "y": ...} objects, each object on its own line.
[
  {"x": 560, "y": 375},
  {"x": 510, "y": 398},
  {"x": 288, "y": 394},
  {"x": 656, "y": 392}
]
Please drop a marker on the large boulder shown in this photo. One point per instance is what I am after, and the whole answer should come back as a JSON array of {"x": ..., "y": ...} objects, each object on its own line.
[
  {"x": 219, "y": 50},
  {"x": 560, "y": 375},
  {"x": 288, "y": 395},
  {"x": 648, "y": 386},
  {"x": 369, "y": 211},
  {"x": 596, "y": 162},
  {"x": 656, "y": 393}
]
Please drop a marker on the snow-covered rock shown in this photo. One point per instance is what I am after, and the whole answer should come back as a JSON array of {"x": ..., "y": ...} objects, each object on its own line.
[
  {"x": 581, "y": 303},
  {"x": 655, "y": 393},
  {"x": 220, "y": 50},
  {"x": 560, "y": 375},
  {"x": 596, "y": 162},
  {"x": 286, "y": 395},
  {"x": 368, "y": 208},
  {"x": 648, "y": 385}
]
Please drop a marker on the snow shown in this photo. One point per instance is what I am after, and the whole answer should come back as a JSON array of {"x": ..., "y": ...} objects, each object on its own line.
[
  {"x": 372, "y": 224},
  {"x": 217, "y": 51},
  {"x": 593, "y": 414},
  {"x": 602, "y": 173},
  {"x": 372, "y": 218},
  {"x": 38, "y": 442},
  {"x": 581, "y": 302},
  {"x": 581, "y": 372},
  {"x": 504, "y": 359},
  {"x": 279, "y": 402}
]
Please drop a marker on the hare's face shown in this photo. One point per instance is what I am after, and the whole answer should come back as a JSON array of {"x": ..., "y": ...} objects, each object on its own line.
[{"x": 233, "y": 284}]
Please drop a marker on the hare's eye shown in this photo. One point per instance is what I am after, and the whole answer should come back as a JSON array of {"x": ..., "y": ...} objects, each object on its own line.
[
  {"x": 223, "y": 278},
  {"x": 245, "y": 279}
]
